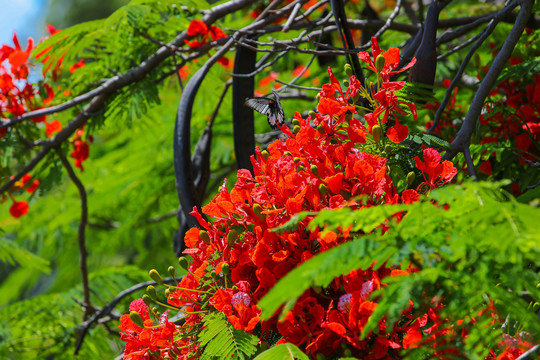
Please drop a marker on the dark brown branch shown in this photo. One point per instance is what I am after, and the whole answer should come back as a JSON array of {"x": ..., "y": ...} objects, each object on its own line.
[
  {"x": 463, "y": 136},
  {"x": 83, "y": 254},
  {"x": 106, "y": 310},
  {"x": 481, "y": 38}
]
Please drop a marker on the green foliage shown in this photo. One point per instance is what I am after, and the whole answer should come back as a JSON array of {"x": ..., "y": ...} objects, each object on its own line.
[
  {"x": 46, "y": 326},
  {"x": 282, "y": 352},
  {"x": 483, "y": 249},
  {"x": 222, "y": 341},
  {"x": 13, "y": 253}
]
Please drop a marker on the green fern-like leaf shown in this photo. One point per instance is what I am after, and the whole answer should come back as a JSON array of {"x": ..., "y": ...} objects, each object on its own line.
[
  {"x": 12, "y": 252},
  {"x": 282, "y": 352},
  {"x": 222, "y": 341}
]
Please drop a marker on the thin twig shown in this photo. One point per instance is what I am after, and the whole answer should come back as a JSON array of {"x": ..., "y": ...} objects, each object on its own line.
[
  {"x": 85, "y": 326},
  {"x": 292, "y": 17},
  {"x": 389, "y": 21},
  {"x": 83, "y": 254}
]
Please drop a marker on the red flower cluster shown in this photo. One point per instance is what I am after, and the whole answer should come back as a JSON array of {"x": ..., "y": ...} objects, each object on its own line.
[
  {"x": 20, "y": 208},
  {"x": 237, "y": 257},
  {"x": 18, "y": 96},
  {"x": 81, "y": 150},
  {"x": 144, "y": 341},
  {"x": 386, "y": 102},
  {"x": 202, "y": 33}
]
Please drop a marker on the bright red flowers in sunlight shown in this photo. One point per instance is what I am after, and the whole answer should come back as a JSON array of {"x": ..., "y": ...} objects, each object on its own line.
[
  {"x": 390, "y": 61},
  {"x": 435, "y": 173},
  {"x": 202, "y": 33}
]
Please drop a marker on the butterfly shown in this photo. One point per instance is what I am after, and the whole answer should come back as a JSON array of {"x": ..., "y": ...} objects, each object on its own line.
[{"x": 271, "y": 108}]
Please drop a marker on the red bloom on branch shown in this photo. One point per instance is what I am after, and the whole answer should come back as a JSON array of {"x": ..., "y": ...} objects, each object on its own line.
[
  {"x": 391, "y": 60},
  {"x": 389, "y": 104},
  {"x": 18, "y": 208},
  {"x": 52, "y": 127},
  {"x": 80, "y": 153},
  {"x": 435, "y": 173},
  {"x": 200, "y": 30}
]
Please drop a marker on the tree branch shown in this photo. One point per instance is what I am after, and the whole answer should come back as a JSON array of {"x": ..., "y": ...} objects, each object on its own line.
[
  {"x": 83, "y": 254},
  {"x": 463, "y": 136}
]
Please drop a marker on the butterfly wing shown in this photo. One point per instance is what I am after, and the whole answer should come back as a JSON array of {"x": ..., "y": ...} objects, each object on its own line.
[
  {"x": 271, "y": 108},
  {"x": 259, "y": 104},
  {"x": 276, "y": 116}
]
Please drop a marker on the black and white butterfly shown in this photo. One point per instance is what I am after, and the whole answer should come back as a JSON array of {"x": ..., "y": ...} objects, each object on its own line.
[{"x": 271, "y": 108}]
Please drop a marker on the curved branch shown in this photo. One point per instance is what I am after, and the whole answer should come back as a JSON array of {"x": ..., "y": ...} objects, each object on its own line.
[
  {"x": 463, "y": 136},
  {"x": 110, "y": 306},
  {"x": 83, "y": 254}
]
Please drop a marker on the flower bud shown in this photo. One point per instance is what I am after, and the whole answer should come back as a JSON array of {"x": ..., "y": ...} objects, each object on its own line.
[
  {"x": 296, "y": 122},
  {"x": 300, "y": 168},
  {"x": 348, "y": 116},
  {"x": 154, "y": 275},
  {"x": 410, "y": 178},
  {"x": 346, "y": 83},
  {"x": 476, "y": 61},
  {"x": 231, "y": 237},
  {"x": 348, "y": 70},
  {"x": 147, "y": 300},
  {"x": 314, "y": 169},
  {"x": 377, "y": 133},
  {"x": 204, "y": 237},
  {"x": 136, "y": 318},
  {"x": 311, "y": 113},
  {"x": 171, "y": 271},
  {"x": 184, "y": 263},
  {"x": 288, "y": 153},
  {"x": 214, "y": 276},
  {"x": 296, "y": 159},
  {"x": 372, "y": 88},
  {"x": 296, "y": 129},
  {"x": 225, "y": 269},
  {"x": 265, "y": 154},
  {"x": 318, "y": 97},
  {"x": 379, "y": 63},
  {"x": 388, "y": 149},
  {"x": 323, "y": 190},
  {"x": 320, "y": 129},
  {"x": 168, "y": 293},
  {"x": 257, "y": 209},
  {"x": 151, "y": 291},
  {"x": 155, "y": 311}
]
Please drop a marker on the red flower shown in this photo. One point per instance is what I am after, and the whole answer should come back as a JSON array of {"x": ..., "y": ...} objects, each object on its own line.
[
  {"x": 197, "y": 27},
  {"x": 80, "y": 153},
  {"x": 52, "y": 127},
  {"x": 18, "y": 58},
  {"x": 79, "y": 64},
  {"x": 389, "y": 105},
  {"x": 51, "y": 29},
  {"x": 18, "y": 208},
  {"x": 391, "y": 57},
  {"x": 437, "y": 173}
]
